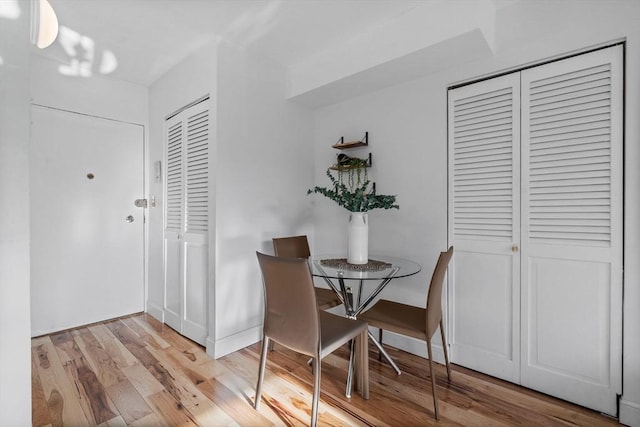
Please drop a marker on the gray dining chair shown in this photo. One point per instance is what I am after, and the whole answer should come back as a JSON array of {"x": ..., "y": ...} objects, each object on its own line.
[
  {"x": 298, "y": 247},
  {"x": 292, "y": 319},
  {"x": 417, "y": 322}
]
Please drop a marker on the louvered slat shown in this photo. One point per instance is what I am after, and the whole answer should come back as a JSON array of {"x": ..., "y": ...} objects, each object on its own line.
[
  {"x": 174, "y": 177},
  {"x": 483, "y": 165},
  {"x": 197, "y": 172},
  {"x": 570, "y": 157}
]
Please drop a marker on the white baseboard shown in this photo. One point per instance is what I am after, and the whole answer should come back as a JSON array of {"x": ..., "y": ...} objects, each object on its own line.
[
  {"x": 155, "y": 311},
  {"x": 234, "y": 342},
  {"x": 410, "y": 345},
  {"x": 84, "y": 322},
  {"x": 210, "y": 346},
  {"x": 629, "y": 413},
  {"x": 224, "y": 346}
]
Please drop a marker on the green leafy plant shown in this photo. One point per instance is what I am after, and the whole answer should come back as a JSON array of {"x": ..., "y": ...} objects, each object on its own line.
[
  {"x": 357, "y": 197},
  {"x": 354, "y": 167}
]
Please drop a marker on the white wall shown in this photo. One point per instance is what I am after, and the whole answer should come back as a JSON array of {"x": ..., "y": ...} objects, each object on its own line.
[
  {"x": 98, "y": 95},
  {"x": 15, "y": 346},
  {"x": 407, "y": 125},
  {"x": 409, "y": 46},
  {"x": 265, "y": 160},
  {"x": 407, "y": 161},
  {"x": 262, "y": 149}
]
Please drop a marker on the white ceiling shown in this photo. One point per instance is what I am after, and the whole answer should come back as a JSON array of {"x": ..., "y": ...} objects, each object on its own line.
[{"x": 148, "y": 37}]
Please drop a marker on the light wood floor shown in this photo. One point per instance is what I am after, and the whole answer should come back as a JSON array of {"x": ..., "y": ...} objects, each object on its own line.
[{"x": 136, "y": 371}]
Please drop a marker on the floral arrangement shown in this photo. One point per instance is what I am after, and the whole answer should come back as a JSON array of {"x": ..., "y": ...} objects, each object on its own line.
[{"x": 359, "y": 195}]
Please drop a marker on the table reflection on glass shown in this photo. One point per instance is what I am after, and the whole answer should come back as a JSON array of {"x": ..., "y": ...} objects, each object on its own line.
[{"x": 379, "y": 271}]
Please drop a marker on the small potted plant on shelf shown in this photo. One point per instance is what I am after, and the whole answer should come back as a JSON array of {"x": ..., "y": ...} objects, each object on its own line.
[{"x": 358, "y": 196}]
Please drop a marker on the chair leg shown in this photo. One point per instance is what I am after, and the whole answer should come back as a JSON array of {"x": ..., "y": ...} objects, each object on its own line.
[
  {"x": 316, "y": 391},
  {"x": 363, "y": 364},
  {"x": 446, "y": 352},
  {"x": 433, "y": 381},
  {"x": 350, "y": 370},
  {"x": 263, "y": 363},
  {"x": 380, "y": 341}
]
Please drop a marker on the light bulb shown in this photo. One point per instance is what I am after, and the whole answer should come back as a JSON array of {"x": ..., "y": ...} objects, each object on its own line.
[{"x": 47, "y": 25}]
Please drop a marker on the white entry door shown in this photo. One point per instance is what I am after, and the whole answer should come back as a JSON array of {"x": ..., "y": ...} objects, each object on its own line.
[
  {"x": 536, "y": 291},
  {"x": 87, "y": 237}
]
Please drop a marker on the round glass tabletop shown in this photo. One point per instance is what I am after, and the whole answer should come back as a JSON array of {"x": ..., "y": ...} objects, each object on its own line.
[{"x": 334, "y": 266}]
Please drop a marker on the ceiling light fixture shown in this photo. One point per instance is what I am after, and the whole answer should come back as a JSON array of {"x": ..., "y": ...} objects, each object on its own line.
[{"x": 44, "y": 23}]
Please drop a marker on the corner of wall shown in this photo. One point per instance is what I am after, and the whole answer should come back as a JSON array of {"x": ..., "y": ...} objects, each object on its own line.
[
  {"x": 155, "y": 311},
  {"x": 234, "y": 342},
  {"x": 15, "y": 309},
  {"x": 629, "y": 413}
]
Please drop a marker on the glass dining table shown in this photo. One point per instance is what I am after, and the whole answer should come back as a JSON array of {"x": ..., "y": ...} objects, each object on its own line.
[{"x": 377, "y": 273}]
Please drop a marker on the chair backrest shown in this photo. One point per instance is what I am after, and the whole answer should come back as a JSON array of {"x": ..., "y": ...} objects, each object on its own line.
[
  {"x": 291, "y": 247},
  {"x": 434, "y": 296},
  {"x": 291, "y": 313}
]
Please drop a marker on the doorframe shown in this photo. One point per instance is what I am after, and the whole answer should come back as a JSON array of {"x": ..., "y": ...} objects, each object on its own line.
[
  {"x": 604, "y": 45},
  {"x": 145, "y": 189},
  {"x": 519, "y": 68},
  {"x": 210, "y": 238}
]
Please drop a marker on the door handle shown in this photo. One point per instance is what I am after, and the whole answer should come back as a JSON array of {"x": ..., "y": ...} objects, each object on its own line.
[
  {"x": 514, "y": 248},
  {"x": 140, "y": 203},
  {"x": 130, "y": 219}
]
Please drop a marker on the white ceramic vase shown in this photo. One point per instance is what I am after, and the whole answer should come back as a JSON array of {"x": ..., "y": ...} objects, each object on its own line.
[{"x": 358, "y": 238}]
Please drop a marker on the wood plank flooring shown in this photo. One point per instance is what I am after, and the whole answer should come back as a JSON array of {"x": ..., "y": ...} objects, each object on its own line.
[{"x": 135, "y": 371}]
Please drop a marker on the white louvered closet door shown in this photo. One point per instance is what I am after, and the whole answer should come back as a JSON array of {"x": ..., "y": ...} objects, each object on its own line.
[
  {"x": 536, "y": 294},
  {"x": 187, "y": 221},
  {"x": 484, "y": 227},
  {"x": 572, "y": 228}
]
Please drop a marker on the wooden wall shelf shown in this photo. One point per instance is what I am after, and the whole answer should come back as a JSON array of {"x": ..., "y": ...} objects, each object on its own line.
[
  {"x": 342, "y": 168},
  {"x": 341, "y": 145}
]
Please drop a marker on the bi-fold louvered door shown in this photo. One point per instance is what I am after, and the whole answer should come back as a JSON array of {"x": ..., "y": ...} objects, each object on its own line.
[
  {"x": 186, "y": 233},
  {"x": 484, "y": 208},
  {"x": 536, "y": 292}
]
